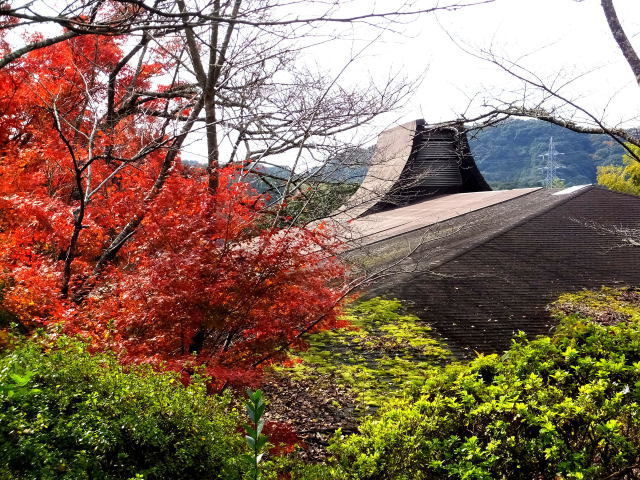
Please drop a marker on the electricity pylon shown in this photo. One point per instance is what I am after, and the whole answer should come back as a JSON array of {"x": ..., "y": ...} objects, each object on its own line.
[{"x": 552, "y": 165}]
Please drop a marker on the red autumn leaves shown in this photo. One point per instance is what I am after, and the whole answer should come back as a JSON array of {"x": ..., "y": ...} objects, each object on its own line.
[{"x": 194, "y": 279}]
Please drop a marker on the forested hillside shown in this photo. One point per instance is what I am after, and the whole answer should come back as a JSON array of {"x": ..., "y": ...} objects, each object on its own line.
[{"x": 508, "y": 154}]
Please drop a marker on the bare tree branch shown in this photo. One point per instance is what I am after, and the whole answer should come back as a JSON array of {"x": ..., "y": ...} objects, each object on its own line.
[{"x": 621, "y": 38}]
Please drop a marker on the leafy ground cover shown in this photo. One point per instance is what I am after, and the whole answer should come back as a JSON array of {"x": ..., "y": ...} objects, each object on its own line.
[
  {"x": 67, "y": 414},
  {"x": 559, "y": 407},
  {"x": 383, "y": 352}
]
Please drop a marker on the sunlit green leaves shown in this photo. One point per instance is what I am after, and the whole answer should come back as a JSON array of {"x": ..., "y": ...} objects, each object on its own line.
[
  {"x": 384, "y": 353},
  {"x": 70, "y": 415},
  {"x": 254, "y": 438},
  {"x": 565, "y": 406}
]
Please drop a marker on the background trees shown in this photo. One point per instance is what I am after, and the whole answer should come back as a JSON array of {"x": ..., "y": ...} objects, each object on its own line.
[
  {"x": 509, "y": 155},
  {"x": 625, "y": 178}
]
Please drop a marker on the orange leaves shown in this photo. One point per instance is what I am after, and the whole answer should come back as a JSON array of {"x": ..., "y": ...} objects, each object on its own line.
[
  {"x": 31, "y": 294},
  {"x": 199, "y": 281}
]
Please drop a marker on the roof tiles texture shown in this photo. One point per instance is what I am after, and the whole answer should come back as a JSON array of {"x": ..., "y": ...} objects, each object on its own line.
[
  {"x": 382, "y": 225},
  {"x": 480, "y": 277}
]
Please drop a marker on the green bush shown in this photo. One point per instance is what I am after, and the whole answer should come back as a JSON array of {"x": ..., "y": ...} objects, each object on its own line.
[
  {"x": 67, "y": 414},
  {"x": 564, "y": 406}
]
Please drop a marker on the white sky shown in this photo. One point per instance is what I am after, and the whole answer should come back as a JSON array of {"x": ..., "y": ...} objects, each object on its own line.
[
  {"x": 562, "y": 39},
  {"x": 550, "y": 37}
]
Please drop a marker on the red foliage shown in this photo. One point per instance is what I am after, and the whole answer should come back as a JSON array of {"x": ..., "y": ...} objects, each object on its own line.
[
  {"x": 198, "y": 283},
  {"x": 282, "y": 436}
]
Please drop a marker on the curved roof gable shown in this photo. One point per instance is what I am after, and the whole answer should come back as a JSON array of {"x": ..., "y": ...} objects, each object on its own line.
[{"x": 414, "y": 162}]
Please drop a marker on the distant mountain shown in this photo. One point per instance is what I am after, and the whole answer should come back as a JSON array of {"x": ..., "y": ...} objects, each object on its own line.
[
  {"x": 508, "y": 154},
  {"x": 349, "y": 166}
]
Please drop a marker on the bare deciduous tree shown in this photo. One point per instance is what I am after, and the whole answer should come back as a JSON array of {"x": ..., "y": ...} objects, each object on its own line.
[
  {"x": 550, "y": 100},
  {"x": 230, "y": 69}
]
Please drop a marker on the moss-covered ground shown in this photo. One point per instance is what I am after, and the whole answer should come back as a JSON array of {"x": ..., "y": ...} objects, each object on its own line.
[
  {"x": 382, "y": 353},
  {"x": 606, "y": 306},
  {"x": 350, "y": 372},
  {"x": 563, "y": 406},
  {"x": 387, "y": 354}
]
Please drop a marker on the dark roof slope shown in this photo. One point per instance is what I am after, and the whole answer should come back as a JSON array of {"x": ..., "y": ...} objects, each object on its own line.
[
  {"x": 438, "y": 236},
  {"x": 481, "y": 277}
]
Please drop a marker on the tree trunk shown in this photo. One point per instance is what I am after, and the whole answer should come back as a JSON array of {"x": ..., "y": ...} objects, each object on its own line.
[{"x": 621, "y": 38}]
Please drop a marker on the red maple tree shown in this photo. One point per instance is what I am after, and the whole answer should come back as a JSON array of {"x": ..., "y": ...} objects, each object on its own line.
[{"x": 105, "y": 233}]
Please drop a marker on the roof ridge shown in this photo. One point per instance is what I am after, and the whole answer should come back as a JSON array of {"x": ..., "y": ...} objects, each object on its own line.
[
  {"x": 602, "y": 187},
  {"x": 524, "y": 195},
  {"x": 508, "y": 228}
]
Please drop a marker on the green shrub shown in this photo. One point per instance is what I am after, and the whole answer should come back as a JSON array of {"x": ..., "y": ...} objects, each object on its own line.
[
  {"x": 564, "y": 406},
  {"x": 67, "y": 414},
  {"x": 291, "y": 468}
]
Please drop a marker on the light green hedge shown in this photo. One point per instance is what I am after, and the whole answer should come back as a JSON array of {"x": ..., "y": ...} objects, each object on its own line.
[{"x": 565, "y": 406}]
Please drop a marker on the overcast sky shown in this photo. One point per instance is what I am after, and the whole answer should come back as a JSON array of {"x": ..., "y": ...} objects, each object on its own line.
[
  {"x": 561, "y": 39},
  {"x": 552, "y": 38}
]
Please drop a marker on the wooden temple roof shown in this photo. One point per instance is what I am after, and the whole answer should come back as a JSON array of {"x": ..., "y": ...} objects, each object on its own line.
[{"x": 480, "y": 275}]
